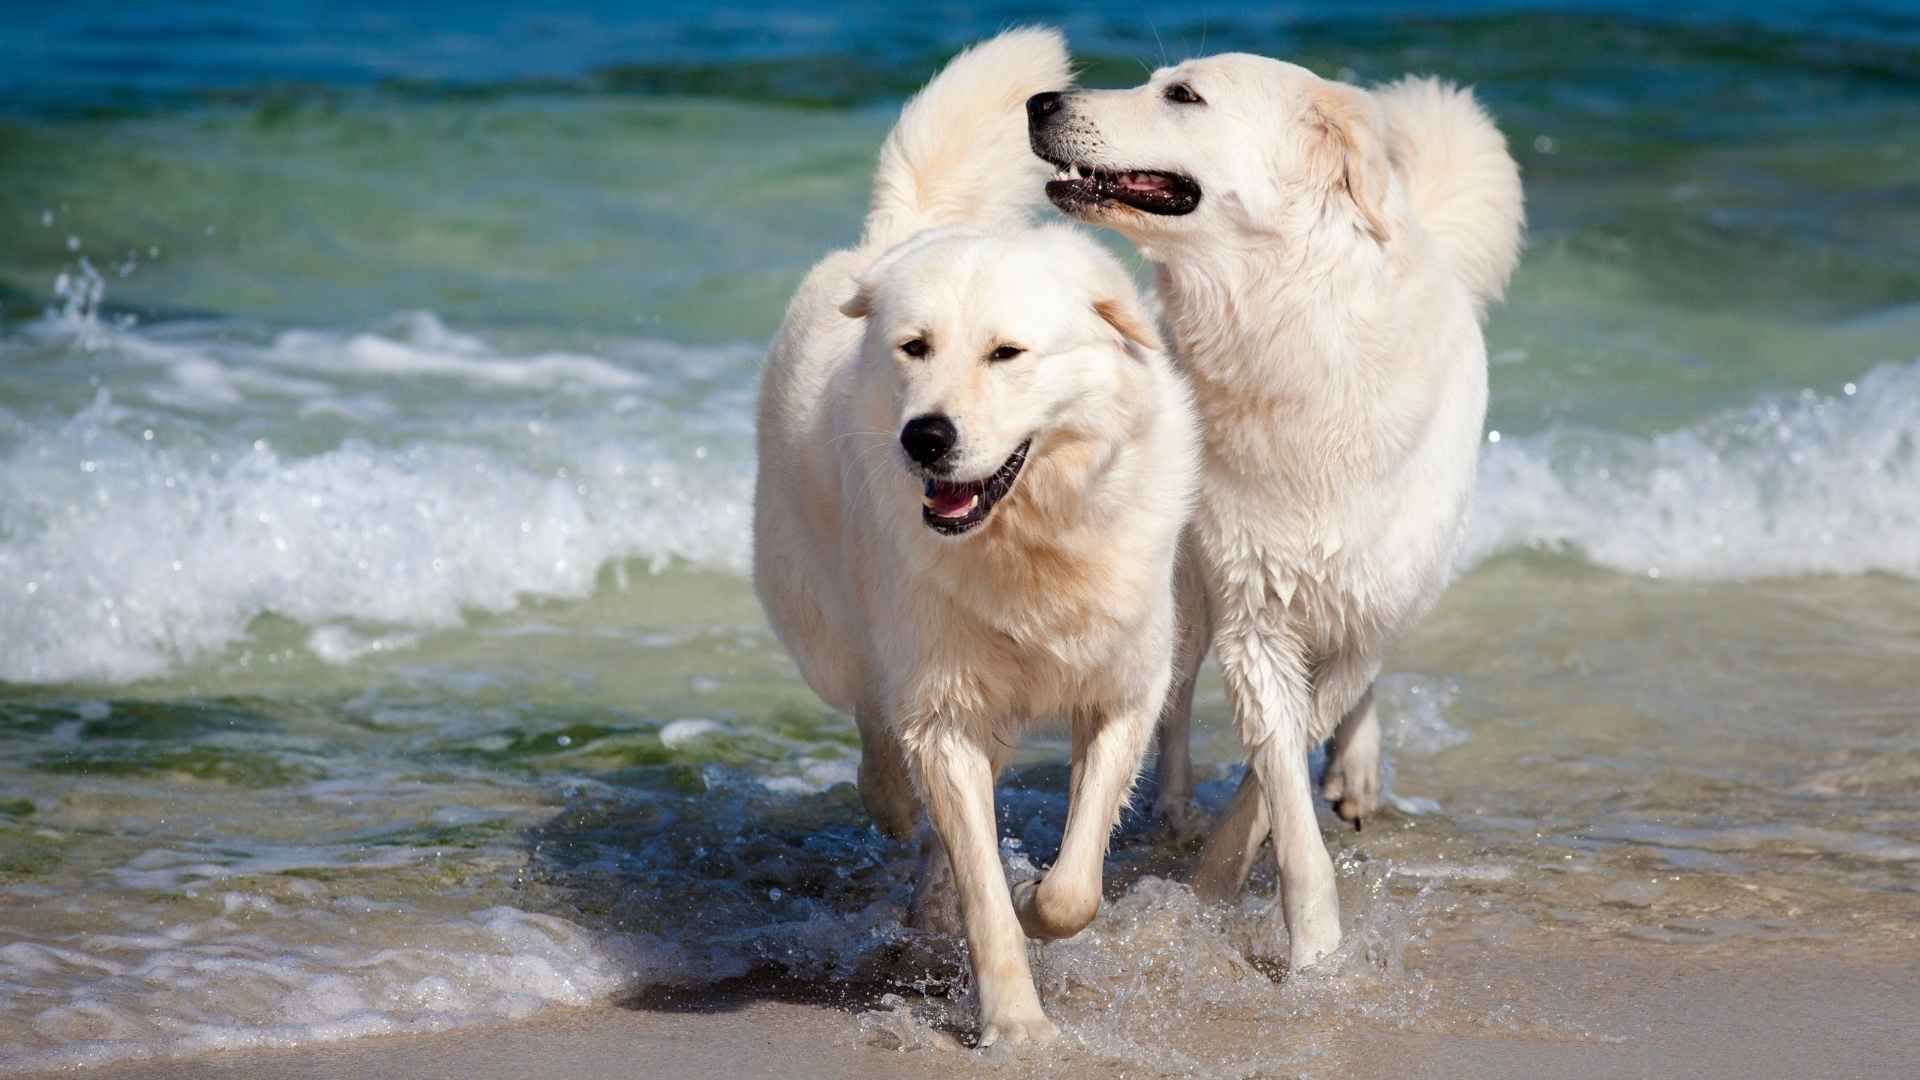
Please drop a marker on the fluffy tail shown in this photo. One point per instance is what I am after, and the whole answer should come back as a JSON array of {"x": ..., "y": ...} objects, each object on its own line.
[
  {"x": 1461, "y": 183},
  {"x": 958, "y": 154}
]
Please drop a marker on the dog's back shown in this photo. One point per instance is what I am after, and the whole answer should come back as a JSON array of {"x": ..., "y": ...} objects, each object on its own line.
[{"x": 1461, "y": 184}]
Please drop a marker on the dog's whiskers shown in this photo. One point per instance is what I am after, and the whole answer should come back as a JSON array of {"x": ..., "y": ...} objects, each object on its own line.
[{"x": 868, "y": 477}]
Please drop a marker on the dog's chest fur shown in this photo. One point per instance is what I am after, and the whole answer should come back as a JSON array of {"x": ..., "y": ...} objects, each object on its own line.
[
  {"x": 1270, "y": 551},
  {"x": 1061, "y": 603},
  {"x": 1304, "y": 452},
  {"x": 1032, "y": 625}
]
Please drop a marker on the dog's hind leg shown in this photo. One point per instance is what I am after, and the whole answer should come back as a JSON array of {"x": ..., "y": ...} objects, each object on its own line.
[
  {"x": 1352, "y": 782},
  {"x": 935, "y": 905},
  {"x": 1273, "y": 700},
  {"x": 955, "y": 778},
  {"x": 1234, "y": 844},
  {"x": 1308, "y": 898},
  {"x": 885, "y": 787},
  {"x": 1108, "y": 745},
  {"x": 1173, "y": 800}
]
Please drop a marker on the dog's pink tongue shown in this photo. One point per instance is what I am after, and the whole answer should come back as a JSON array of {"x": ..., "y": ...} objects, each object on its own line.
[
  {"x": 1144, "y": 182},
  {"x": 952, "y": 500}
]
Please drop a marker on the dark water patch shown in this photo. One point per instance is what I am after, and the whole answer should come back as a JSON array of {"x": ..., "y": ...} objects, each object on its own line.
[
  {"x": 751, "y": 893},
  {"x": 172, "y": 721},
  {"x": 212, "y": 764},
  {"x": 471, "y": 836},
  {"x": 24, "y": 855},
  {"x": 1657, "y": 147},
  {"x": 1632, "y": 50},
  {"x": 30, "y": 718},
  {"x": 536, "y": 744}
]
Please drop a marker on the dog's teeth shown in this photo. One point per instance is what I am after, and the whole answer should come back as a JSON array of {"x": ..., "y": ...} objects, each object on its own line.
[{"x": 1074, "y": 170}]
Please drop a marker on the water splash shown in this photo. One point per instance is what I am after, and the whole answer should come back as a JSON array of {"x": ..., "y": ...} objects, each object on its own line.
[{"x": 1815, "y": 483}]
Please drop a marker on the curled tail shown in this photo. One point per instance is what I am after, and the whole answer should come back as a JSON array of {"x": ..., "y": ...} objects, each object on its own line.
[
  {"x": 1461, "y": 183},
  {"x": 958, "y": 154}
]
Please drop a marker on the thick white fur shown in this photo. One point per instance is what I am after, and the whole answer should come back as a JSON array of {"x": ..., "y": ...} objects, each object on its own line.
[
  {"x": 1325, "y": 299},
  {"x": 1059, "y": 605}
]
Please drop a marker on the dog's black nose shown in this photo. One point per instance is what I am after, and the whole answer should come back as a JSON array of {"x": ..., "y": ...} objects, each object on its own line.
[
  {"x": 928, "y": 438},
  {"x": 1040, "y": 107}
]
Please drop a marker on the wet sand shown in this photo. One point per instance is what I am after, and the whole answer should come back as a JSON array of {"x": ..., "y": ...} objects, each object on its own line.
[{"x": 1528, "y": 1009}]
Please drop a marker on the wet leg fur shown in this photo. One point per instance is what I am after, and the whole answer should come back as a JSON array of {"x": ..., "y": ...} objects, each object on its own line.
[
  {"x": 1174, "y": 802},
  {"x": 954, "y": 774},
  {"x": 1107, "y": 749},
  {"x": 1274, "y": 702},
  {"x": 1352, "y": 783}
]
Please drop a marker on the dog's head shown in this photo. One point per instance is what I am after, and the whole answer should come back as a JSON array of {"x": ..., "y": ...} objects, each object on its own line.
[
  {"x": 1216, "y": 149},
  {"x": 985, "y": 353}
]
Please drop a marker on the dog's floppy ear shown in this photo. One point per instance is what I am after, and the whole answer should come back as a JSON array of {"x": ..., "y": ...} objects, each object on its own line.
[
  {"x": 1351, "y": 151},
  {"x": 1123, "y": 314}
]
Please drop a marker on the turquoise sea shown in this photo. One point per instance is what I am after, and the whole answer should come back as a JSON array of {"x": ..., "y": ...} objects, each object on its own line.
[{"x": 376, "y": 650}]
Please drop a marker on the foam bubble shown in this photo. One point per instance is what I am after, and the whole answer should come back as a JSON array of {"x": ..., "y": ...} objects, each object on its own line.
[{"x": 686, "y": 730}]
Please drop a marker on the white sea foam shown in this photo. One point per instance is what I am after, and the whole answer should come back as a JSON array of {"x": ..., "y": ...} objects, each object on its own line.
[
  {"x": 423, "y": 346},
  {"x": 686, "y": 730},
  {"x": 814, "y": 776},
  {"x": 238, "y": 976},
  {"x": 1810, "y": 484},
  {"x": 428, "y": 475},
  {"x": 131, "y": 541}
]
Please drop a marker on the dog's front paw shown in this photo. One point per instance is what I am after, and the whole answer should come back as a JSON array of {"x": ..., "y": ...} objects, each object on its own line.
[
  {"x": 1016, "y": 1026},
  {"x": 1352, "y": 783},
  {"x": 1050, "y": 914},
  {"x": 1311, "y": 945}
]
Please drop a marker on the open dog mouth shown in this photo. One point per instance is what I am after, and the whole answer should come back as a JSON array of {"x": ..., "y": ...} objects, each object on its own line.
[
  {"x": 1077, "y": 187},
  {"x": 953, "y": 507}
]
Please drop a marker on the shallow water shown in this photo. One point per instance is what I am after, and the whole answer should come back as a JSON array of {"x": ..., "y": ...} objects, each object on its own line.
[{"x": 375, "y": 456}]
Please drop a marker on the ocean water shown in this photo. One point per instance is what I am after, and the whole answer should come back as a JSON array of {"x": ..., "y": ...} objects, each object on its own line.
[{"x": 376, "y": 652}]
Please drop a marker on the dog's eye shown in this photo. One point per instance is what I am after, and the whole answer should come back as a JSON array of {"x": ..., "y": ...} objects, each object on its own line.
[
  {"x": 914, "y": 347},
  {"x": 1005, "y": 352},
  {"x": 1182, "y": 94}
]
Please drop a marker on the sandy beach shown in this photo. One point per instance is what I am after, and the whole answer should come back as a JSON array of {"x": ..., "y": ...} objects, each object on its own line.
[{"x": 1527, "y": 1010}]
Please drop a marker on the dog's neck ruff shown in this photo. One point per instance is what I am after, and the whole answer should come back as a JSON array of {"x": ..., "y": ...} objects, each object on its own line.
[{"x": 1306, "y": 400}]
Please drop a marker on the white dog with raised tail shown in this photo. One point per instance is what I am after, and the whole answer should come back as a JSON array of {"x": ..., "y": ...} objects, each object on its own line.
[
  {"x": 1324, "y": 257},
  {"x": 975, "y": 465}
]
